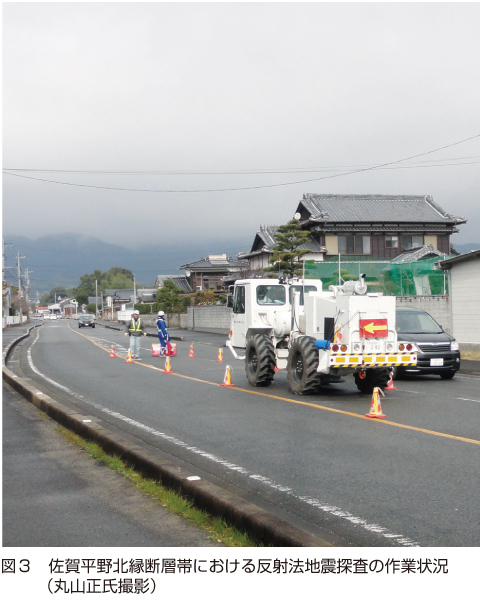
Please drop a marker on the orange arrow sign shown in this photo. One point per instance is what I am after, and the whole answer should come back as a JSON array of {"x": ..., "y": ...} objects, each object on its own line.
[{"x": 373, "y": 327}]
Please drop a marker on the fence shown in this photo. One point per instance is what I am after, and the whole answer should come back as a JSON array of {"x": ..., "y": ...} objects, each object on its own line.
[
  {"x": 209, "y": 318},
  {"x": 7, "y": 321},
  {"x": 420, "y": 278}
]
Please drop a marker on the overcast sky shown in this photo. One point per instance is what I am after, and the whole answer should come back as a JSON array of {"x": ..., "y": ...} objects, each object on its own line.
[{"x": 197, "y": 89}]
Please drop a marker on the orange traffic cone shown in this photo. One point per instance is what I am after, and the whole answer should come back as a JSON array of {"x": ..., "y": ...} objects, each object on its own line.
[
  {"x": 168, "y": 366},
  {"x": 220, "y": 355},
  {"x": 376, "y": 407},
  {"x": 390, "y": 385},
  {"x": 112, "y": 352},
  {"x": 227, "y": 381},
  {"x": 191, "y": 354},
  {"x": 129, "y": 358}
]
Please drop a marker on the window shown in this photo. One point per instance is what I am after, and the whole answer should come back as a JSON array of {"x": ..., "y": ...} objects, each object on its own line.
[
  {"x": 391, "y": 241},
  {"x": 354, "y": 244},
  {"x": 271, "y": 294},
  {"x": 411, "y": 241},
  {"x": 239, "y": 300},
  {"x": 416, "y": 322},
  {"x": 299, "y": 288}
]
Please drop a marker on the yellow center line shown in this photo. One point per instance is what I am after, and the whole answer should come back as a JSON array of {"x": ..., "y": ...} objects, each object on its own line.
[{"x": 303, "y": 403}]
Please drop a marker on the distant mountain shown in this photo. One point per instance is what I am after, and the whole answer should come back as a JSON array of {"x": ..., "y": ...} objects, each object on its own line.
[
  {"x": 464, "y": 248},
  {"x": 61, "y": 259}
]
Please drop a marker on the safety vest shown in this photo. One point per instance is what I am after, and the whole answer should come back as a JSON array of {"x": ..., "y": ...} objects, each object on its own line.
[{"x": 135, "y": 325}]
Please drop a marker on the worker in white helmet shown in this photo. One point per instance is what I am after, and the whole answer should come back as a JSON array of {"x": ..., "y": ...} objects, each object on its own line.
[
  {"x": 163, "y": 334},
  {"x": 135, "y": 330}
]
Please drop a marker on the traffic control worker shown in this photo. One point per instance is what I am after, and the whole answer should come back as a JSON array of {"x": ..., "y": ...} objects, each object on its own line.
[
  {"x": 135, "y": 330},
  {"x": 163, "y": 335}
]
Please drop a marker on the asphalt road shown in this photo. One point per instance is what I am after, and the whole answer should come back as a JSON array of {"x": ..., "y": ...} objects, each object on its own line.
[
  {"x": 411, "y": 479},
  {"x": 54, "y": 495}
]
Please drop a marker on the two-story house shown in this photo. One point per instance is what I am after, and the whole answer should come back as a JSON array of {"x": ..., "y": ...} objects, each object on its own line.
[
  {"x": 209, "y": 273},
  {"x": 261, "y": 252},
  {"x": 377, "y": 226}
]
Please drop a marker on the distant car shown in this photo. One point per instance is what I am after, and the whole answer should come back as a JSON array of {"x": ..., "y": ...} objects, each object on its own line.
[
  {"x": 438, "y": 352},
  {"x": 53, "y": 317},
  {"x": 86, "y": 321}
]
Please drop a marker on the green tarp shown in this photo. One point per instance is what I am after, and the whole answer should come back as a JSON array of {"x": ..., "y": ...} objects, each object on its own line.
[{"x": 419, "y": 278}]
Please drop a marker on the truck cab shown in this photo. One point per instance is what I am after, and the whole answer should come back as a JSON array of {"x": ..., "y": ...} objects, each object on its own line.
[{"x": 265, "y": 306}]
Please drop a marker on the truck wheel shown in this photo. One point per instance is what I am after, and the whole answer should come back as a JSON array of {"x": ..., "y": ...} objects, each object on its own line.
[
  {"x": 302, "y": 366},
  {"x": 373, "y": 378},
  {"x": 259, "y": 360}
]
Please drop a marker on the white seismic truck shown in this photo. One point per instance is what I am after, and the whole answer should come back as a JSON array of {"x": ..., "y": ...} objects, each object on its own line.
[{"x": 317, "y": 336}]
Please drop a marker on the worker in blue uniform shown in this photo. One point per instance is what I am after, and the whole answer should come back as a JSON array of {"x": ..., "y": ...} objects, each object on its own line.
[{"x": 163, "y": 335}]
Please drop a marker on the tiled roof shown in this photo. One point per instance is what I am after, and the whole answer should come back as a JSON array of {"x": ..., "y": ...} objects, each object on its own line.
[
  {"x": 147, "y": 295},
  {"x": 265, "y": 241},
  {"x": 373, "y": 208},
  {"x": 180, "y": 282},
  {"x": 416, "y": 254},
  {"x": 119, "y": 294},
  {"x": 220, "y": 265}
]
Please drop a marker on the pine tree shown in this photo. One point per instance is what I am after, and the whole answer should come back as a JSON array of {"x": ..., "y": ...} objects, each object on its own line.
[{"x": 286, "y": 253}]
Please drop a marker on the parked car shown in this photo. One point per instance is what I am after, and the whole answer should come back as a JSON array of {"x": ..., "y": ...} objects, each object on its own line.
[
  {"x": 438, "y": 351},
  {"x": 86, "y": 321}
]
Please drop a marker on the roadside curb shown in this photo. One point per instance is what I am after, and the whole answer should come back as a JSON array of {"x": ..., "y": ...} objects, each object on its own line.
[{"x": 263, "y": 526}]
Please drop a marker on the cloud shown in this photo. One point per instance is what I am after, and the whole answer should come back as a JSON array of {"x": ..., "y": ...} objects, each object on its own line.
[{"x": 227, "y": 87}]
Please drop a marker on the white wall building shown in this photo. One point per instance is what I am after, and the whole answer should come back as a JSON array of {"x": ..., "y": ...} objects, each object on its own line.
[{"x": 464, "y": 286}]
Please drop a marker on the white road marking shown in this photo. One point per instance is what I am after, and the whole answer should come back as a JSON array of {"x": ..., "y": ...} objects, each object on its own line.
[
  {"x": 468, "y": 399},
  {"x": 314, "y": 502}
]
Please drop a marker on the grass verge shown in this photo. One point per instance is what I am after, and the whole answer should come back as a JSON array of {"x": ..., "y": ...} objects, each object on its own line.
[
  {"x": 471, "y": 355},
  {"x": 217, "y": 529}
]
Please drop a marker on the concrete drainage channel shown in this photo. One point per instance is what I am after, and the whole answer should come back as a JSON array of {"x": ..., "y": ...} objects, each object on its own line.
[{"x": 259, "y": 523}]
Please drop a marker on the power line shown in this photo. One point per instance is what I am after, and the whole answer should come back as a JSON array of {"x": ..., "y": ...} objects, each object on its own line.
[
  {"x": 270, "y": 171},
  {"x": 256, "y": 187},
  {"x": 352, "y": 172}
]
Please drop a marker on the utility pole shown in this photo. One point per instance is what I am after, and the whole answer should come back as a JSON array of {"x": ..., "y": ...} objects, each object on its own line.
[
  {"x": 96, "y": 299},
  {"x": 4, "y": 245},
  {"x": 27, "y": 283},
  {"x": 19, "y": 285}
]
